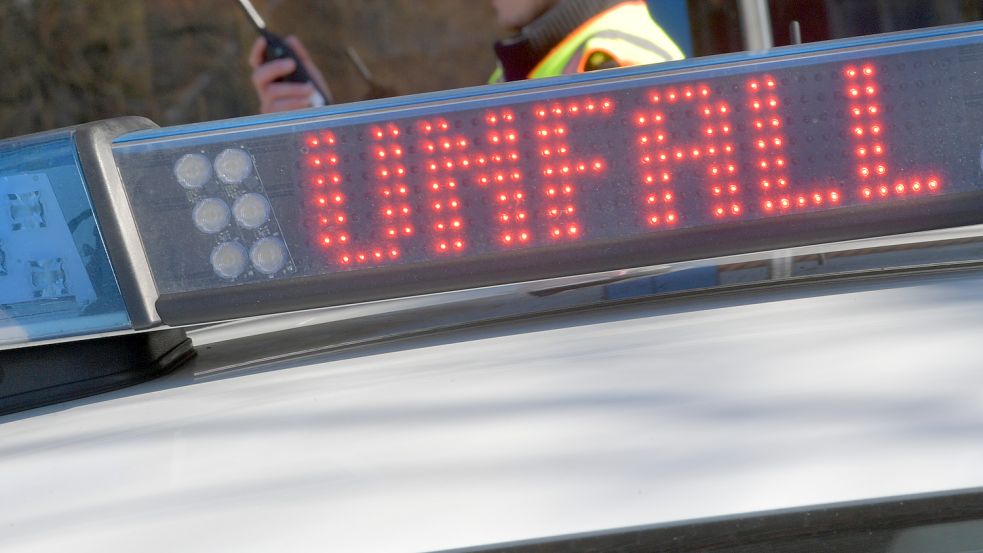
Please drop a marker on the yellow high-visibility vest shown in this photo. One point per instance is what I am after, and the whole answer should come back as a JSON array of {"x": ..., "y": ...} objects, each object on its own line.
[{"x": 622, "y": 35}]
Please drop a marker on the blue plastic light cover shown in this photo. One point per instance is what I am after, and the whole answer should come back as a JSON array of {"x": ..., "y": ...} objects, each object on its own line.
[{"x": 55, "y": 277}]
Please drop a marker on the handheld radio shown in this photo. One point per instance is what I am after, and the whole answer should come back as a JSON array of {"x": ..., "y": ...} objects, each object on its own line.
[{"x": 277, "y": 48}]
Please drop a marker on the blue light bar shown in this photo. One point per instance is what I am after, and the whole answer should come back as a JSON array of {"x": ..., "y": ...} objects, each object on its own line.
[{"x": 55, "y": 277}]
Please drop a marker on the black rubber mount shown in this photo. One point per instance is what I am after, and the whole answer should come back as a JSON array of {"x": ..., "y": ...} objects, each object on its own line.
[{"x": 53, "y": 373}]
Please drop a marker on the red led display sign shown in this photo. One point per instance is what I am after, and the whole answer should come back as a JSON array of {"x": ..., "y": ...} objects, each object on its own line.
[
  {"x": 540, "y": 173},
  {"x": 424, "y": 174},
  {"x": 576, "y": 178}
]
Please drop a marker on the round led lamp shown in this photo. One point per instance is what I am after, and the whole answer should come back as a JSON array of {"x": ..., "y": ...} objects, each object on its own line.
[
  {"x": 193, "y": 171},
  {"x": 233, "y": 166},
  {"x": 251, "y": 210},
  {"x": 229, "y": 260},
  {"x": 211, "y": 215},
  {"x": 268, "y": 255}
]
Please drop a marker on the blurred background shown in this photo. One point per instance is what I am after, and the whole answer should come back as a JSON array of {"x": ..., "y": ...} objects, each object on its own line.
[
  {"x": 64, "y": 62},
  {"x": 175, "y": 61}
]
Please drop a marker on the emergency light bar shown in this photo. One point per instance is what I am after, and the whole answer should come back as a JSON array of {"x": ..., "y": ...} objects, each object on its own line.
[
  {"x": 55, "y": 275},
  {"x": 497, "y": 184}
]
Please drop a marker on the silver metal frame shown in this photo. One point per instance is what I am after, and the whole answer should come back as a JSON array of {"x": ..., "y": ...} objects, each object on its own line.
[
  {"x": 116, "y": 223},
  {"x": 756, "y": 25}
]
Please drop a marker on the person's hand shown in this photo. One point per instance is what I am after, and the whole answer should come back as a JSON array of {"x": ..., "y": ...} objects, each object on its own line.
[{"x": 283, "y": 96}]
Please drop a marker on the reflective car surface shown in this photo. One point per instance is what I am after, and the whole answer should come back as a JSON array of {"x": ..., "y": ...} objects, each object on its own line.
[{"x": 431, "y": 425}]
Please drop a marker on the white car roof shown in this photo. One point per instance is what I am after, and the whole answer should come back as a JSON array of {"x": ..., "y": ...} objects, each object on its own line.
[{"x": 639, "y": 414}]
